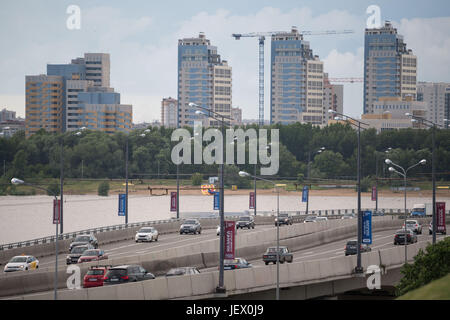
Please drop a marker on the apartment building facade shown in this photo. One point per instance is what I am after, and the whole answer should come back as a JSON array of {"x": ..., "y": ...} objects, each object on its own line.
[
  {"x": 169, "y": 107},
  {"x": 437, "y": 98}
]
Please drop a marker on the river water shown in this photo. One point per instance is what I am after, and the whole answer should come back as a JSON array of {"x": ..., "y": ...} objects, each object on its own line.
[{"x": 30, "y": 217}]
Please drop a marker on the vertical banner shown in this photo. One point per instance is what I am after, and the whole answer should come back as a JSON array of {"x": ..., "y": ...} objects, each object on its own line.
[
  {"x": 56, "y": 211},
  {"x": 374, "y": 193},
  {"x": 230, "y": 228},
  {"x": 440, "y": 216},
  {"x": 305, "y": 194},
  {"x": 173, "y": 201},
  {"x": 122, "y": 204},
  {"x": 367, "y": 227},
  {"x": 252, "y": 201},
  {"x": 216, "y": 201}
]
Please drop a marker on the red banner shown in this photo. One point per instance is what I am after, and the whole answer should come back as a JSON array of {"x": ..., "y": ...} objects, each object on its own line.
[
  {"x": 173, "y": 201},
  {"x": 230, "y": 229},
  {"x": 374, "y": 193},
  {"x": 56, "y": 211},
  {"x": 252, "y": 201},
  {"x": 440, "y": 216}
]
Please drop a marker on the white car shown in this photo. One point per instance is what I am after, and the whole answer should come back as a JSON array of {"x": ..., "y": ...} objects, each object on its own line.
[
  {"x": 318, "y": 219},
  {"x": 146, "y": 234},
  {"x": 21, "y": 263},
  {"x": 348, "y": 216}
]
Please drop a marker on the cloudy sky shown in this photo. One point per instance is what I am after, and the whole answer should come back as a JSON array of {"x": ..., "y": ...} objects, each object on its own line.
[{"x": 142, "y": 39}]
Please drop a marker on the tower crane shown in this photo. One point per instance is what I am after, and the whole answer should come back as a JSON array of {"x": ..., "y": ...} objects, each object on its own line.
[{"x": 262, "y": 37}]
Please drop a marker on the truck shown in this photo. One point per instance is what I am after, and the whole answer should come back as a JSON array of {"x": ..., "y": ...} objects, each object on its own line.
[{"x": 422, "y": 210}]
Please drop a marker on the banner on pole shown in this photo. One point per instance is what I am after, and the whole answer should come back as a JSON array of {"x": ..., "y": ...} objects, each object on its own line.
[
  {"x": 173, "y": 201},
  {"x": 230, "y": 231},
  {"x": 252, "y": 201},
  {"x": 374, "y": 193},
  {"x": 367, "y": 227},
  {"x": 440, "y": 216},
  {"x": 305, "y": 194},
  {"x": 56, "y": 211},
  {"x": 122, "y": 204},
  {"x": 216, "y": 200}
]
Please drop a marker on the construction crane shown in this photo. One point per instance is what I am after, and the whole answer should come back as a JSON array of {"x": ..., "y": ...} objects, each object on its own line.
[{"x": 262, "y": 37}]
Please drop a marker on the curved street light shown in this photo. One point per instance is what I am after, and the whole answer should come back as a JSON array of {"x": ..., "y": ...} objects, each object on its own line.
[
  {"x": 404, "y": 173},
  {"x": 16, "y": 181}
]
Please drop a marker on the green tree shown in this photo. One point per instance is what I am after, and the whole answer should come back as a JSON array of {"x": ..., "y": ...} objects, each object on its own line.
[
  {"x": 103, "y": 189},
  {"x": 196, "y": 179}
]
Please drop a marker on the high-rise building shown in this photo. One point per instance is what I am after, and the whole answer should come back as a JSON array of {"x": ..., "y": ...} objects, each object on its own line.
[
  {"x": 296, "y": 80},
  {"x": 333, "y": 97},
  {"x": 80, "y": 97},
  {"x": 169, "y": 108},
  {"x": 390, "y": 69},
  {"x": 7, "y": 115},
  {"x": 204, "y": 79},
  {"x": 236, "y": 115},
  {"x": 437, "y": 98}
]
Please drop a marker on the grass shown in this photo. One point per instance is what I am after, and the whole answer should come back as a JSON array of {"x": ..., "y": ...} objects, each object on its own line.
[{"x": 435, "y": 290}]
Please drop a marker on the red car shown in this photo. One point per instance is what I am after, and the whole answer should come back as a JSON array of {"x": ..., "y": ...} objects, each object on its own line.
[
  {"x": 94, "y": 277},
  {"x": 92, "y": 255}
]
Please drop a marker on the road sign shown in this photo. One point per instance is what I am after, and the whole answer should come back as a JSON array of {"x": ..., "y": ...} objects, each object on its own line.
[
  {"x": 367, "y": 227},
  {"x": 230, "y": 229},
  {"x": 173, "y": 201},
  {"x": 252, "y": 201},
  {"x": 122, "y": 204},
  {"x": 56, "y": 211},
  {"x": 216, "y": 200},
  {"x": 440, "y": 216},
  {"x": 305, "y": 194}
]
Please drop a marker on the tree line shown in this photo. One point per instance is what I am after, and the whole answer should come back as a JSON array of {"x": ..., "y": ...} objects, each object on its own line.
[{"x": 305, "y": 152}]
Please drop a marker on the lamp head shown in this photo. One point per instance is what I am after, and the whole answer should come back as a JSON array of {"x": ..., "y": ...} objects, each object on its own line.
[
  {"x": 388, "y": 161},
  {"x": 391, "y": 169},
  {"x": 331, "y": 111},
  {"x": 191, "y": 104},
  {"x": 16, "y": 181},
  {"x": 423, "y": 161},
  {"x": 243, "y": 174}
]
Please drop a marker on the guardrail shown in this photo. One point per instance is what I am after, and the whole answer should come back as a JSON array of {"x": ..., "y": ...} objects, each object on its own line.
[{"x": 51, "y": 239}]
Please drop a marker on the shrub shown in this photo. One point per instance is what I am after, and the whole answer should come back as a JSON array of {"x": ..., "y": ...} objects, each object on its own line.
[
  {"x": 53, "y": 189},
  {"x": 197, "y": 179},
  {"x": 103, "y": 189}
]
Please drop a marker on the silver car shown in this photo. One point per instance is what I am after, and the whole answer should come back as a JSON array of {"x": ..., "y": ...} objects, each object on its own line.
[{"x": 146, "y": 234}]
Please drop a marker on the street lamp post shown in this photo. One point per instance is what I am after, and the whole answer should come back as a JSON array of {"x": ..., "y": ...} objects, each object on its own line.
[
  {"x": 358, "y": 268},
  {"x": 309, "y": 159},
  {"x": 215, "y": 115},
  {"x": 16, "y": 181},
  {"x": 432, "y": 125},
  {"x": 403, "y": 174},
  {"x": 245, "y": 174}
]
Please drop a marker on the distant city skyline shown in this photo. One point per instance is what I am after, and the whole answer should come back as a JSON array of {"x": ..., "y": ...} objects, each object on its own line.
[{"x": 142, "y": 41}]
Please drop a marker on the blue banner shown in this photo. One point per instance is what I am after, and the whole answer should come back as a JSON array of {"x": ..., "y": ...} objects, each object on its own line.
[
  {"x": 367, "y": 227},
  {"x": 122, "y": 204},
  {"x": 216, "y": 200},
  {"x": 305, "y": 194}
]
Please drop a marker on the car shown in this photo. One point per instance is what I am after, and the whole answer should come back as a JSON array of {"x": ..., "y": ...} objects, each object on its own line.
[
  {"x": 84, "y": 239},
  {"x": 92, "y": 255},
  {"x": 348, "y": 216},
  {"x": 182, "y": 271},
  {"x": 399, "y": 237},
  {"x": 245, "y": 222},
  {"x": 236, "y": 263},
  {"x": 377, "y": 213},
  {"x": 318, "y": 219},
  {"x": 94, "y": 276},
  {"x": 284, "y": 255},
  {"x": 284, "y": 218},
  {"x": 310, "y": 219},
  {"x": 430, "y": 229},
  {"x": 126, "y": 273},
  {"x": 414, "y": 226},
  {"x": 191, "y": 226},
  {"x": 146, "y": 234},
  {"x": 21, "y": 263},
  {"x": 76, "y": 253},
  {"x": 351, "y": 247}
]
